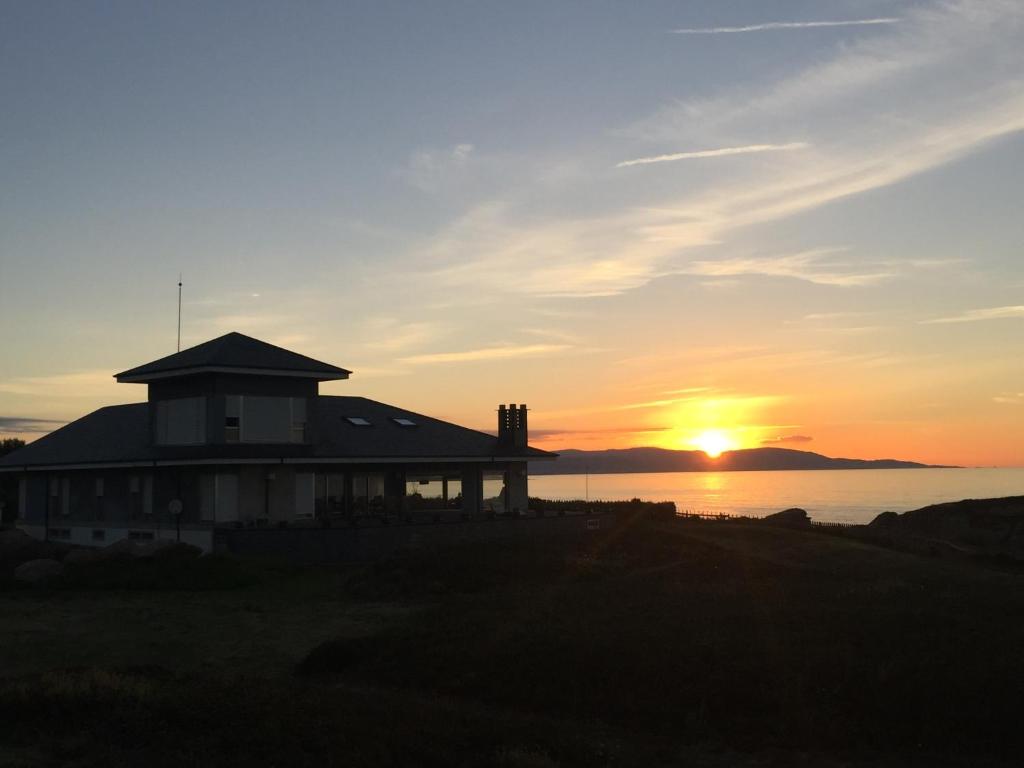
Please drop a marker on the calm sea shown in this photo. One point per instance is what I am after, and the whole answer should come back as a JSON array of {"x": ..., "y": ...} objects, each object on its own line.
[{"x": 845, "y": 496}]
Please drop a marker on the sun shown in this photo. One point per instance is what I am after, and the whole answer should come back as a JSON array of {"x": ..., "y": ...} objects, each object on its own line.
[{"x": 713, "y": 442}]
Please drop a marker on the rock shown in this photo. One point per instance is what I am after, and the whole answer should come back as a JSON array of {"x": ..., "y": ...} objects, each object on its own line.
[
  {"x": 38, "y": 572},
  {"x": 794, "y": 517},
  {"x": 885, "y": 520},
  {"x": 82, "y": 556},
  {"x": 152, "y": 548},
  {"x": 122, "y": 548}
]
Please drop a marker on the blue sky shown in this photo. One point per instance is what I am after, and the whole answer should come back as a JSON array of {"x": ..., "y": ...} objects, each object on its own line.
[{"x": 805, "y": 214}]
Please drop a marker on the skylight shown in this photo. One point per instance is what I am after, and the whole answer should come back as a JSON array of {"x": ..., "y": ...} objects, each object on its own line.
[
  {"x": 358, "y": 421},
  {"x": 403, "y": 422}
]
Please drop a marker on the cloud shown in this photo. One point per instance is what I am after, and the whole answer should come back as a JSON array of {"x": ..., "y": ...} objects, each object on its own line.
[
  {"x": 429, "y": 170},
  {"x": 772, "y": 25},
  {"x": 547, "y": 434},
  {"x": 880, "y": 109},
  {"x": 391, "y": 335},
  {"x": 724, "y": 152},
  {"x": 787, "y": 439},
  {"x": 486, "y": 353},
  {"x": 1010, "y": 398},
  {"x": 813, "y": 266},
  {"x": 94, "y": 384},
  {"x": 27, "y": 424},
  {"x": 976, "y": 315}
]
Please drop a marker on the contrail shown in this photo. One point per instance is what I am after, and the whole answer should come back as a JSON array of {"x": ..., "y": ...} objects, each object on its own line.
[
  {"x": 783, "y": 25},
  {"x": 714, "y": 153}
]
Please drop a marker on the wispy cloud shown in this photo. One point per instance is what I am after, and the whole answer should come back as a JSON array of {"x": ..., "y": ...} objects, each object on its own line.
[
  {"x": 772, "y": 25},
  {"x": 883, "y": 108},
  {"x": 723, "y": 152},
  {"x": 81, "y": 384},
  {"x": 784, "y": 439},
  {"x": 486, "y": 353},
  {"x": 976, "y": 315},
  {"x": 1010, "y": 398},
  {"x": 27, "y": 424},
  {"x": 430, "y": 169},
  {"x": 814, "y": 266},
  {"x": 390, "y": 334}
]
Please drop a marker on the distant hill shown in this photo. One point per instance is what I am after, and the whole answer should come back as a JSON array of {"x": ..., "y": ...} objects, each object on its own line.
[{"x": 574, "y": 462}]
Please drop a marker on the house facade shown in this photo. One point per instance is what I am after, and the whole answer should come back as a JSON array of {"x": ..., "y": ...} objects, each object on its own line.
[{"x": 234, "y": 433}]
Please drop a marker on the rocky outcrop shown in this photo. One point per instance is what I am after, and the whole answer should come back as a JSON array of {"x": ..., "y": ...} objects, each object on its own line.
[{"x": 794, "y": 517}]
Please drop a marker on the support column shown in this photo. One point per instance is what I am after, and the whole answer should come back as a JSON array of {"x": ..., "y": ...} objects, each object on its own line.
[
  {"x": 472, "y": 490},
  {"x": 516, "y": 488}
]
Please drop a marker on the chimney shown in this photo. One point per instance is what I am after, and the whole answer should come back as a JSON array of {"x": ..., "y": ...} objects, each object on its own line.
[{"x": 512, "y": 431}]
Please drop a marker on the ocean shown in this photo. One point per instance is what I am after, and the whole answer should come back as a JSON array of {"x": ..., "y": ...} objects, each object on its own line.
[{"x": 843, "y": 496}]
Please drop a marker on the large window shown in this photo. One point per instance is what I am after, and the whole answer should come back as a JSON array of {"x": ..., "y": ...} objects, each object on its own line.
[
  {"x": 261, "y": 419},
  {"x": 368, "y": 493},
  {"x": 181, "y": 421},
  {"x": 218, "y": 497},
  {"x": 330, "y": 494},
  {"x": 433, "y": 492}
]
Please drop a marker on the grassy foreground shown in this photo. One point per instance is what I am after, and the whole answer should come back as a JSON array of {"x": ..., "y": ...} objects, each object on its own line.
[{"x": 655, "y": 643}]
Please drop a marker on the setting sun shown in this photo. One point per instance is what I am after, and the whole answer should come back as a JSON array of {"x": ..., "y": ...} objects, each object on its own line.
[{"x": 713, "y": 442}]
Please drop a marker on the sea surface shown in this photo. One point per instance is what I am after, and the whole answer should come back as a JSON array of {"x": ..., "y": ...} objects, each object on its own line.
[{"x": 843, "y": 496}]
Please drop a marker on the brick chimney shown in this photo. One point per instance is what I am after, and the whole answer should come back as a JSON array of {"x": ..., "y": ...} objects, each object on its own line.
[{"x": 512, "y": 430}]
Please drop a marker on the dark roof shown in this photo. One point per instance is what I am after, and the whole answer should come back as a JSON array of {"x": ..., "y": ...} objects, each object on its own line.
[
  {"x": 113, "y": 434},
  {"x": 238, "y": 351},
  {"x": 121, "y": 434}
]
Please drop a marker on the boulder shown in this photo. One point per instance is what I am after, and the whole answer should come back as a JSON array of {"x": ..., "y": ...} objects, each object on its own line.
[
  {"x": 81, "y": 556},
  {"x": 152, "y": 548},
  {"x": 794, "y": 517},
  {"x": 121, "y": 548},
  {"x": 38, "y": 572},
  {"x": 885, "y": 520}
]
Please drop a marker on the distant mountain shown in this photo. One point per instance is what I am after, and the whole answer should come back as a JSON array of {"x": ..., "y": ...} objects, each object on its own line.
[{"x": 574, "y": 462}]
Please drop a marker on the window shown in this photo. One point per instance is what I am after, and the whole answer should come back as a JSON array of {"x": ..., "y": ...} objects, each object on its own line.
[
  {"x": 298, "y": 434},
  {"x": 232, "y": 418},
  {"x": 99, "y": 487},
  {"x": 218, "y": 497},
  {"x": 181, "y": 421},
  {"x": 433, "y": 492},
  {"x": 99, "y": 534},
  {"x": 305, "y": 494},
  {"x": 262, "y": 419},
  {"x": 403, "y": 422},
  {"x": 358, "y": 421},
  {"x": 141, "y": 535},
  {"x": 368, "y": 493},
  {"x": 330, "y": 493},
  {"x": 59, "y": 533}
]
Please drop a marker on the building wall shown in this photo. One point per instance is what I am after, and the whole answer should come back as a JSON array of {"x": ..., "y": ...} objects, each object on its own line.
[{"x": 97, "y": 507}]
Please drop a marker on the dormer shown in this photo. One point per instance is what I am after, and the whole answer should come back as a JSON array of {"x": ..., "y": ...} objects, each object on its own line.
[{"x": 232, "y": 389}]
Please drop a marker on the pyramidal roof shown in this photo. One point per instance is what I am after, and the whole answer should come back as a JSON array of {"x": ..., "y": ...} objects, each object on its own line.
[{"x": 234, "y": 353}]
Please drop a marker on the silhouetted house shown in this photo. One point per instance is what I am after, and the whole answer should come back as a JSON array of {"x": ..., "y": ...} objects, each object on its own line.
[{"x": 235, "y": 433}]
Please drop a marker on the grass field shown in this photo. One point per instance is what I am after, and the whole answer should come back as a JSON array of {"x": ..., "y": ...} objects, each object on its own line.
[{"x": 655, "y": 643}]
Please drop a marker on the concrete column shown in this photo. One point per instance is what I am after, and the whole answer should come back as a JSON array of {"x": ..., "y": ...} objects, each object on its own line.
[
  {"x": 516, "y": 490},
  {"x": 472, "y": 490}
]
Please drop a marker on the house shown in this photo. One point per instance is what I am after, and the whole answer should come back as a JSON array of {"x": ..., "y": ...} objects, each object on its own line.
[{"x": 234, "y": 432}]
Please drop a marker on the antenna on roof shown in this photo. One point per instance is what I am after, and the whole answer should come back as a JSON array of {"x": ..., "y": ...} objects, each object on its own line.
[{"x": 179, "y": 312}]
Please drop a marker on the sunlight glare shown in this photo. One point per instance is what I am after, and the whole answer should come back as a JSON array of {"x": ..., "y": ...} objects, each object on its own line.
[{"x": 713, "y": 442}]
